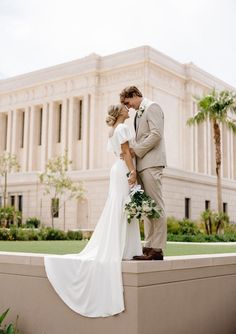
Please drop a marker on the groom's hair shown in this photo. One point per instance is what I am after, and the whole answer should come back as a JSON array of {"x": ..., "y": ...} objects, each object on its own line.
[{"x": 129, "y": 92}]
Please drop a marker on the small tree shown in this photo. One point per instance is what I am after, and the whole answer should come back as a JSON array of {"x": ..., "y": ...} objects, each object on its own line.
[
  {"x": 218, "y": 108},
  {"x": 8, "y": 164},
  {"x": 214, "y": 220},
  {"x": 58, "y": 185},
  {"x": 207, "y": 218}
]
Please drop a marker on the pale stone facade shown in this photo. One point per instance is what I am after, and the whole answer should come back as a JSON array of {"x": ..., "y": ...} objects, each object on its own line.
[{"x": 63, "y": 107}]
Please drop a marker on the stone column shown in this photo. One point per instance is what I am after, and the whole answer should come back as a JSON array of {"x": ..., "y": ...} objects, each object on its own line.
[
  {"x": 64, "y": 126},
  {"x": 221, "y": 148},
  {"x": 92, "y": 127},
  {"x": 31, "y": 160},
  {"x": 188, "y": 131},
  {"x": 85, "y": 132},
  {"x": 14, "y": 132},
  {"x": 70, "y": 132},
  {"x": 26, "y": 139},
  {"x": 9, "y": 130},
  {"x": 51, "y": 139},
  {"x": 206, "y": 149},
  {"x": 195, "y": 142},
  {"x": 230, "y": 154},
  {"x": 44, "y": 142},
  {"x": 209, "y": 153}
]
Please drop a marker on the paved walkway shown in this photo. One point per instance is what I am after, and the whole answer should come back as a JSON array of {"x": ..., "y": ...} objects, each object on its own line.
[{"x": 202, "y": 243}]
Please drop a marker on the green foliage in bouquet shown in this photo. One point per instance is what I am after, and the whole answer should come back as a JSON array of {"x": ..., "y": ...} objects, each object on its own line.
[{"x": 140, "y": 205}]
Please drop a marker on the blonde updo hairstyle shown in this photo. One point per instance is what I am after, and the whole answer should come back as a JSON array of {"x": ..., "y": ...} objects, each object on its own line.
[{"x": 113, "y": 113}]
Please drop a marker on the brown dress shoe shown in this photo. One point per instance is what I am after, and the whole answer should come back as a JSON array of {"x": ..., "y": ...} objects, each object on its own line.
[
  {"x": 146, "y": 250},
  {"x": 154, "y": 254}
]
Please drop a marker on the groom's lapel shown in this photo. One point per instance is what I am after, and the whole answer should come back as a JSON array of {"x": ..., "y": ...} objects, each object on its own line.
[{"x": 138, "y": 120}]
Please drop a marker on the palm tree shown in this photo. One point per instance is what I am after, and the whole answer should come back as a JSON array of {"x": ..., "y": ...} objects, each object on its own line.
[{"x": 218, "y": 108}]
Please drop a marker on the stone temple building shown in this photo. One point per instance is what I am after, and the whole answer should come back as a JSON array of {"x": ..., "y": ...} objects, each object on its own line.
[{"x": 64, "y": 107}]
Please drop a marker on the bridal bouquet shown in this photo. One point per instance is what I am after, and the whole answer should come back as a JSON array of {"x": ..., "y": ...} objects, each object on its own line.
[{"x": 140, "y": 205}]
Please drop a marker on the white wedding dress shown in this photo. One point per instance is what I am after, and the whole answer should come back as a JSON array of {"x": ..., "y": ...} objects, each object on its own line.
[{"x": 90, "y": 282}]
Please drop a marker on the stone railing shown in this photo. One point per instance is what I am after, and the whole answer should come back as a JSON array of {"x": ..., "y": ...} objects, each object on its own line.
[{"x": 180, "y": 295}]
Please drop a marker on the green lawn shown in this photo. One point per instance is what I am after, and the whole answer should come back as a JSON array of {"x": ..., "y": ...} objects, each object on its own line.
[{"x": 69, "y": 247}]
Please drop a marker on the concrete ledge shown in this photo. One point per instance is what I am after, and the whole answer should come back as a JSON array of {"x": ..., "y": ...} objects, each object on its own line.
[{"x": 183, "y": 294}]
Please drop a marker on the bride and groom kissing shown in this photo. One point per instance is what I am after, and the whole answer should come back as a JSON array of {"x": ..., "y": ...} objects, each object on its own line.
[
  {"x": 149, "y": 151},
  {"x": 84, "y": 280}
]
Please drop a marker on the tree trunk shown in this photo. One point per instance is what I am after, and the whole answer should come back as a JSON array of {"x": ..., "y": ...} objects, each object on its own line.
[
  {"x": 52, "y": 215},
  {"x": 217, "y": 138},
  {"x": 210, "y": 225},
  {"x": 206, "y": 226},
  {"x": 64, "y": 215}
]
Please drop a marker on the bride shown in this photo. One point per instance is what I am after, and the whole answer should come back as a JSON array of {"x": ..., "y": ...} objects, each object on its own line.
[{"x": 90, "y": 282}]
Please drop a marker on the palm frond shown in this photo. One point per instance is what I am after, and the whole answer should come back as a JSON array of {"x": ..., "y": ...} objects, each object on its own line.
[
  {"x": 198, "y": 118},
  {"x": 230, "y": 124},
  {"x": 216, "y": 106}
]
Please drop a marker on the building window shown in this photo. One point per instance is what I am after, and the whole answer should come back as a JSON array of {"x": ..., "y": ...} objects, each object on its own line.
[
  {"x": 40, "y": 125},
  {"x": 59, "y": 123},
  {"x": 22, "y": 129},
  {"x": 207, "y": 205},
  {"x": 12, "y": 200},
  {"x": 80, "y": 113},
  {"x": 20, "y": 203},
  {"x": 55, "y": 207},
  {"x": 225, "y": 208},
  {"x": 187, "y": 207}
]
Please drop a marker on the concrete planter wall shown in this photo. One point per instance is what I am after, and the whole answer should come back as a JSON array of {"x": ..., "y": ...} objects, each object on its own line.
[{"x": 187, "y": 294}]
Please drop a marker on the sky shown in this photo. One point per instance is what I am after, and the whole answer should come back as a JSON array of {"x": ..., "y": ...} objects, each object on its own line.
[{"x": 35, "y": 34}]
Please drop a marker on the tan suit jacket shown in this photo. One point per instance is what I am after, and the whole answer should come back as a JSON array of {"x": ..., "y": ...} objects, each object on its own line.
[{"x": 149, "y": 146}]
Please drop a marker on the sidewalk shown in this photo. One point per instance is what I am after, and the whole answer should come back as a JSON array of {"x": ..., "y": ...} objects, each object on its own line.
[{"x": 202, "y": 243}]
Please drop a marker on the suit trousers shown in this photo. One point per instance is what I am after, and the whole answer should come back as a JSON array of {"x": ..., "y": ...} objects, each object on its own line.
[{"x": 155, "y": 230}]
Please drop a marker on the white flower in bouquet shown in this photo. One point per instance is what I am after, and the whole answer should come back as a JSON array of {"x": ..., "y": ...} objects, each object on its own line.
[{"x": 140, "y": 205}]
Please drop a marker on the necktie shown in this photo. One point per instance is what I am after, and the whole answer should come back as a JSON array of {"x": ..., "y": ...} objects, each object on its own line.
[{"x": 135, "y": 121}]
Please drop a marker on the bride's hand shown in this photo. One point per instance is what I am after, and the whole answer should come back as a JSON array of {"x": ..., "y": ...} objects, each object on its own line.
[{"x": 132, "y": 180}]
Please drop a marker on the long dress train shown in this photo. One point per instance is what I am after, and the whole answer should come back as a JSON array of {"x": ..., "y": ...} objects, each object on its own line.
[{"x": 90, "y": 282}]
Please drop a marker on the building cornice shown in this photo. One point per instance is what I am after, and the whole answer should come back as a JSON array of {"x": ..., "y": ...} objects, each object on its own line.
[
  {"x": 51, "y": 74},
  {"x": 100, "y": 65},
  {"x": 197, "y": 178},
  {"x": 30, "y": 178}
]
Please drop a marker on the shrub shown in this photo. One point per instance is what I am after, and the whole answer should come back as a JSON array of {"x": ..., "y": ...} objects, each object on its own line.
[
  {"x": 9, "y": 215},
  {"x": 74, "y": 235},
  {"x": 48, "y": 233},
  {"x": 4, "y": 233},
  {"x": 13, "y": 232},
  {"x": 54, "y": 234},
  {"x": 172, "y": 225},
  {"x": 21, "y": 235},
  {"x": 32, "y": 234},
  {"x": 32, "y": 222},
  {"x": 201, "y": 237},
  {"x": 188, "y": 227}
]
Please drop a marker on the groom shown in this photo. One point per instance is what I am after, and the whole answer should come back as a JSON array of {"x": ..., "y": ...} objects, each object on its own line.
[{"x": 151, "y": 159}]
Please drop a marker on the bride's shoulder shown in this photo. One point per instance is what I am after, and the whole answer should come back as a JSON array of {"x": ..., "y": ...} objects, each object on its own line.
[{"x": 122, "y": 126}]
